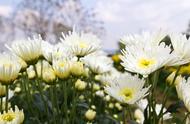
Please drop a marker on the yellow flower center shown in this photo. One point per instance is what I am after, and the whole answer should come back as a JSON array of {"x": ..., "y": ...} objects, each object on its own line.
[
  {"x": 8, "y": 116},
  {"x": 62, "y": 64},
  {"x": 7, "y": 65},
  {"x": 126, "y": 93},
  {"x": 82, "y": 44},
  {"x": 145, "y": 63}
]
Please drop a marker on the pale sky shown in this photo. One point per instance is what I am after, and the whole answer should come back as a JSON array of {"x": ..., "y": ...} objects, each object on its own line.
[{"x": 132, "y": 16}]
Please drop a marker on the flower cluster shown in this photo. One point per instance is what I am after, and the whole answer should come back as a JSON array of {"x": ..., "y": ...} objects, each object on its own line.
[{"x": 74, "y": 81}]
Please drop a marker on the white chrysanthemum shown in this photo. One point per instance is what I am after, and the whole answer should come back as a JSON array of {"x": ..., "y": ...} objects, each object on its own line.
[
  {"x": 9, "y": 68},
  {"x": 183, "y": 89},
  {"x": 181, "y": 46},
  {"x": 81, "y": 44},
  {"x": 62, "y": 67},
  {"x": 154, "y": 37},
  {"x": 28, "y": 50},
  {"x": 47, "y": 50},
  {"x": 12, "y": 116},
  {"x": 145, "y": 58},
  {"x": 127, "y": 89},
  {"x": 142, "y": 104},
  {"x": 61, "y": 51},
  {"x": 98, "y": 64}
]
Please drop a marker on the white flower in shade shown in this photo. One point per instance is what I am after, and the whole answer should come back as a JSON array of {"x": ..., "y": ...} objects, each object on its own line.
[
  {"x": 61, "y": 51},
  {"x": 183, "y": 89},
  {"x": 181, "y": 46},
  {"x": 139, "y": 116},
  {"x": 12, "y": 116},
  {"x": 145, "y": 58},
  {"x": 9, "y": 69},
  {"x": 47, "y": 50},
  {"x": 62, "y": 67},
  {"x": 29, "y": 50},
  {"x": 81, "y": 44},
  {"x": 127, "y": 89},
  {"x": 154, "y": 38},
  {"x": 98, "y": 64},
  {"x": 142, "y": 104}
]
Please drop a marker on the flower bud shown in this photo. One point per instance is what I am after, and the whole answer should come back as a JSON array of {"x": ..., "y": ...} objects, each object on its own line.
[
  {"x": 80, "y": 85},
  {"x": 77, "y": 68},
  {"x": 171, "y": 77},
  {"x": 49, "y": 75},
  {"x": 118, "y": 106},
  {"x": 96, "y": 87},
  {"x": 90, "y": 114},
  {"x": 139, "y": 116},
  {"x": 30, "y": 71}
]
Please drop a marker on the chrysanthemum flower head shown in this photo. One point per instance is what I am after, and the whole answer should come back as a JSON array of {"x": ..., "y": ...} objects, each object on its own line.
[
  {"x": 127, "y": 89},
  {"x": 98, "y": 63},
  {"x": 29, "y": 50},
  {"x": 181, "y": 48},
  {"x": 47, "y": 50},
  {"x": 62, "y": 67},
  {"x": 145, "y": 58},
  {"x": 12, "y": 116},
  {"x": 9, "y": 69},
  {"x": 81, "y": 44}
]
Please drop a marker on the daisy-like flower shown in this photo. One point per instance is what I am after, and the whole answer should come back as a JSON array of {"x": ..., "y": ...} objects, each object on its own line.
[
  {"x": 154, "y": 37},
  {"x": 9, "y": 69},
  {"x": 145, "y": 58},
  {"x": 183, "y": 89},
  {"x": 47, "y": 50},
  {"x": 142, "y": 104},
  {"x": 81, "y": 44},
  {"x": 127, "y": 89},
  {"x": 12, "y": 116},
  {"x": 181, "y": 46},
  {"x": 98, "y": 63},
  {"x": 29, "y": 50},
  {"x": 62, "y": 67}
]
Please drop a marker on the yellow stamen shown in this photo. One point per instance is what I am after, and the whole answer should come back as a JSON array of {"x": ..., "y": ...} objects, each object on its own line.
[
  {"x": 126, "y": 93},
  {"x": 145, "y": 63},
  {"x": 8, "y": 117},
  {"x": 82, "y": 44}
]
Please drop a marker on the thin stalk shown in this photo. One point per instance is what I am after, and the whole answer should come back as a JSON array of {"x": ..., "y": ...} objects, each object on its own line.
[
  {"x": 124, "y": 115},
  {"x": 7, "y": 97},
  {"x": 53, "y": 104},
  {"x": 1, "y": 106},
  {"x": 166, "y": 93},
  {"x": 186, "y": 116}
]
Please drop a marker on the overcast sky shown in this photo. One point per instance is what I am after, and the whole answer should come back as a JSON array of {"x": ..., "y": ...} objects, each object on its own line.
[{"x": 133, "y": 16}]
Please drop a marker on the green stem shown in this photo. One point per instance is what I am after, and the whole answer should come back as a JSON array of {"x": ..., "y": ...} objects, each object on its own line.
[
  {"x": 53, "y": 104},
  {"x": 186, "y": 116},
  {"x": 166, "y": 93},
  {"x": 7, "y": 97},
  {"x": 1, "y": 106},
  {"x": 124, "y": 115}
]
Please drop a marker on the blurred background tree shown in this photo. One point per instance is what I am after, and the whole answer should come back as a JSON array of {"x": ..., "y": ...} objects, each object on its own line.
[{"x": 48, "y": 18}]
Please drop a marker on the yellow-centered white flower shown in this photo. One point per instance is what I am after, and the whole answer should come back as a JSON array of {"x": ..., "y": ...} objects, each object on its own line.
[
  {"x": 62, "y": 67},
  {"x": 29, "y": 50},
  {"x": 181, "y": 46},
  {"x": 9, "y": 68},
  {"x": 47, "y": 50},
  {"x": 12, "y": 116},
  {"x": 127, "y": 89},
  {"x": 154, "y": 38},
  {"x": 183, "y": 89},
  {"x": 145, "y": 58},
  {"x": 98, "y": 64},
  {"x": 81, "y": 44}
]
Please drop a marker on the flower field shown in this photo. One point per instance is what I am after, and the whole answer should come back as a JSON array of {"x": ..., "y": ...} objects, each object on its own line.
[{"x": 76, "y": 82}]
